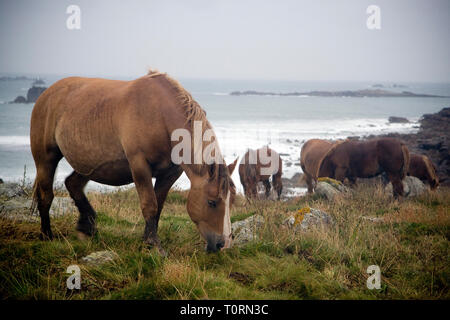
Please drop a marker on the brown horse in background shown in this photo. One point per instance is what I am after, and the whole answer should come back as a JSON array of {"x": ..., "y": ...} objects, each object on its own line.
[
  {"x": 118, "y": 132},
  {"x": 366, "y": 159},
  {"x": 421, "y": 167},
  {"x": 259, "y": 165},
  {"x": 310, "y": 156}
]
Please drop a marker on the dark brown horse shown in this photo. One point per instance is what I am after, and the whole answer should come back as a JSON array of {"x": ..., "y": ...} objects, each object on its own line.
[
  {"x": 310, "y": 156},
  {"x": 420, "y": 166},
  {"x": 259, "y": 165},
  {"x": 118, "y": 132},
  {"x": 366, "y": 159}
]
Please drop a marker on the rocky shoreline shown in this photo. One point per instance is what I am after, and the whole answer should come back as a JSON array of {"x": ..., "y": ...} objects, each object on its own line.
[{"x": 432, "y": 140}]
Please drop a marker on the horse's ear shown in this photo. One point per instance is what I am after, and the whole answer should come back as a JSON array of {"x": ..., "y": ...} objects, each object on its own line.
[{"x": 232, "y": 166}]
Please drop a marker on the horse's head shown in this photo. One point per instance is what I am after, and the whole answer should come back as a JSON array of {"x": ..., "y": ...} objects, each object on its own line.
[{"x": 209, "y": 204}]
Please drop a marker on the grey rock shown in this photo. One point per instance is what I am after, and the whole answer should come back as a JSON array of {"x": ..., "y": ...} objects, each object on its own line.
[
  {"x": 19, "y": 208},
  {"x": 246, "y": 230},
  {"x": 412, "y": 187},
  {"x": 99, "y": 257},
  {"x": 62, "y": 206},
  {"x": 328, "y": 190},
  {"x": 11, "y": 190},
  {"x": 372, "y": 219},
  {"x": 313, "y": 219},
  {"x": 398, "y": 120}
]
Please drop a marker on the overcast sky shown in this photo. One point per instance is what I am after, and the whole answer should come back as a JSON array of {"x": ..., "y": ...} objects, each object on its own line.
[{"x": 261, "y": 39}]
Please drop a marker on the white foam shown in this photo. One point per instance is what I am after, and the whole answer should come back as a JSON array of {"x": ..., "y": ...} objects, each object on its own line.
[{"x": 15, "y": 140}]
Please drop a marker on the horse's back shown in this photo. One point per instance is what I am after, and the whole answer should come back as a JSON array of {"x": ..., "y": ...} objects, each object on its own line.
[
  {"x": 311, "y": 153},
  {"x": 88, "y": 120}
]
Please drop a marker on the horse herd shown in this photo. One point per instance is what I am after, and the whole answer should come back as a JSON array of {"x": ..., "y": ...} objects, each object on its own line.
[
  {"x": 118, "y": 132},
  {"x": 344, "y": 160}
]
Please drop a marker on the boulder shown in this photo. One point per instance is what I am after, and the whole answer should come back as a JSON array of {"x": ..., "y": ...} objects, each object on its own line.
[
  {"x": 398, "y": 120},
  {"x": 246, "y": 230},
  {"x": 308, "y": 218},
  {"x": 19, "y": 208},
  {"x": 412, "y": 187},
  {"x": 11, "y": 190},
  {"x": 329, "y": 188},
  {"x": 99, "y": 257}
]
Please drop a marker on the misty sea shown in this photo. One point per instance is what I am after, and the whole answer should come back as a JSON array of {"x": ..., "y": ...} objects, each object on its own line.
[{"x": 241, "y": 122}]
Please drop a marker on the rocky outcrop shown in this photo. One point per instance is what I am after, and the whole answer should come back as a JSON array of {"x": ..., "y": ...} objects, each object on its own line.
[
  {"x": 16, "y": 204},
  {"x": 20, "y": 99},
  {"x": 10, "y": 190},
  {"x": 432, "y": 140},
  {"x": 32, "y": 95},
  {"x": 412, "y": 187}
]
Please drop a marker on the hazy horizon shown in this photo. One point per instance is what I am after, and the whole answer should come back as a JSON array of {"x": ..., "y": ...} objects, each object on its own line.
[{"x": 313, "y": 41}]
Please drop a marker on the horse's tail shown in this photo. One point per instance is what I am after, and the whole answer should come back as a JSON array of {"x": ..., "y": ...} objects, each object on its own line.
[
  {"x": 34, "y": 197},
  {"x": 434, "y": 180},
  {"x": 406, "y": 159}
]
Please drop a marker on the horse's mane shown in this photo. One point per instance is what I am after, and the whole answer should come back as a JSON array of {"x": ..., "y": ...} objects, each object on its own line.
[
  {"x": 193, "y": 112},
  {"x": 430, "y": 168},
  {"x": 333, "y": 147}
]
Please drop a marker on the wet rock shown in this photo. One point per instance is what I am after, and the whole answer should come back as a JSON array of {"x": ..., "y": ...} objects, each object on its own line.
[
  {"x": 398, "y": 120},
  {"x": 99, "y": 257},
  {"x": 412, "y": 187},
  {"x": 246, "y": 230},
  {"x": 308, "y": 218}
]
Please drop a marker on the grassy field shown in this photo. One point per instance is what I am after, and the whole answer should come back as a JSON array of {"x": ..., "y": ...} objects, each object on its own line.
[{"x": 410, "y": 245}]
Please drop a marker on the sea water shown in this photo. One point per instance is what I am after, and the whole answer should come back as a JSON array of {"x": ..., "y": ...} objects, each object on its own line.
[{"x": 242, "y": 122}]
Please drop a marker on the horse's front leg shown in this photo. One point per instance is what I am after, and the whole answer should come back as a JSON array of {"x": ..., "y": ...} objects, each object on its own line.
[{"x": 142, "y": 177}]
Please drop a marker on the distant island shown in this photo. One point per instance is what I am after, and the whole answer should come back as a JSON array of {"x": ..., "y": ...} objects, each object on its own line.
[
  {"x": 347, "y": 93},
  {"x": 395, "y": 85},
  {"x": 16, "y": 78}
]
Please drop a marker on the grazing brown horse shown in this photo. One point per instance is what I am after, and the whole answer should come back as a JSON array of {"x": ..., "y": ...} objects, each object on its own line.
[
  {"x": 259, "y": 165},
  {"x": 420, "y": 166},
  {"x": 366, "y": 159},
  {"x": 119, "y": 132},
  {"x": 310, "y": 156}
]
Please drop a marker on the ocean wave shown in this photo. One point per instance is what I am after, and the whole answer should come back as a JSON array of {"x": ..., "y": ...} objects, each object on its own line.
[{"x": 15, "y": 140}]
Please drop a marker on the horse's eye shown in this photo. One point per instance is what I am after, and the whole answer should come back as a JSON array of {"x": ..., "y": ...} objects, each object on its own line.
[{"x": 212, "y": 203}]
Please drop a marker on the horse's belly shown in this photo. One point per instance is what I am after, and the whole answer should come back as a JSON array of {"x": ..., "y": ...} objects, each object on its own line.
[{"x": 116, "y": 173}]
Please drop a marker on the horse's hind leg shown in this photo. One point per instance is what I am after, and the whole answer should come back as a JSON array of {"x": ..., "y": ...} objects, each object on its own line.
[
  {"x": 267, "y": 186},
  {"x": 43, "y": 193},
  {"x": 277, "y": 184},
  {"x": 397, "y": 185},
  {"x": 75, "y": 184}
]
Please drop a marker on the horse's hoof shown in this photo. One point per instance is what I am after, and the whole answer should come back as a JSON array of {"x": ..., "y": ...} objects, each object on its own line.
[
  {"x": 154, "y": 244},
  {"x": 82, "y": 236},
  {"x": 46, "y": 236}
]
